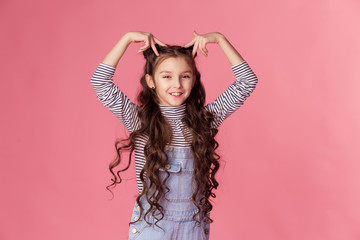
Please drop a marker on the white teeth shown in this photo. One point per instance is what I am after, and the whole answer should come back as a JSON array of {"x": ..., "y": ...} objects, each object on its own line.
[{"x": 176, "y": 94}]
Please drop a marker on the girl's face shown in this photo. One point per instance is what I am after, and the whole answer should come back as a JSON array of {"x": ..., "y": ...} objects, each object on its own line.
[{"x": 174, "y": 80}]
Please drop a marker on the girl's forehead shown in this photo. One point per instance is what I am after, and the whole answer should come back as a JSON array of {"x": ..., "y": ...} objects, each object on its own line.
[{"x": 175, "y": 65}]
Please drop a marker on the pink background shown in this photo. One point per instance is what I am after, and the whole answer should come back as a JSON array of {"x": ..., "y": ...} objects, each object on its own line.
[{"x": 291, "y": 151}]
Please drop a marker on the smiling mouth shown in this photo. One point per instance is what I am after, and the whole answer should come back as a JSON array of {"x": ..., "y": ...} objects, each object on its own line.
[{"x": 176, "y": 94}]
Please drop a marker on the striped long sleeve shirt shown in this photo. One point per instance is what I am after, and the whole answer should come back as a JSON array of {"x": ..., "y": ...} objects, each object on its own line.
[{"x": 126, "y": 111}]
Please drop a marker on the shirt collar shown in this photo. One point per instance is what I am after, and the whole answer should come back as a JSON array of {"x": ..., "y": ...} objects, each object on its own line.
[{"x": 173, "y": 112}]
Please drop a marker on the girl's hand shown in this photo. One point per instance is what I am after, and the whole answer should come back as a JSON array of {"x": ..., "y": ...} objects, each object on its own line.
[
  {"x": 146, "y": 37},
  {"x": 200, "y": 41}
]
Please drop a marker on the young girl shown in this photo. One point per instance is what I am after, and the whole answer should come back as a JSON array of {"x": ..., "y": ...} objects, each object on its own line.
[{"x": 172, "y": 132}]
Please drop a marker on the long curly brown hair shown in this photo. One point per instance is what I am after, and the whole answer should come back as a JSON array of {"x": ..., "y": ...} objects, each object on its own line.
[{"x": 155, "y": 126}]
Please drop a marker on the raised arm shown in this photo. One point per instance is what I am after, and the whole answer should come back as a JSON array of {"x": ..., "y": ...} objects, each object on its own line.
[
  {"x": 235, "y": 95},
  {"x": 107, "y": 92},
  {"x": 113, "y": 57},
  {"x": 245, "y": 79}
]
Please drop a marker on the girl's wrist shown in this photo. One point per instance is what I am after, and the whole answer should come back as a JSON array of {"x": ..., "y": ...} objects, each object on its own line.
[
  {"x": 221, "y": 38},
  {"x": 127, "y": 38}
]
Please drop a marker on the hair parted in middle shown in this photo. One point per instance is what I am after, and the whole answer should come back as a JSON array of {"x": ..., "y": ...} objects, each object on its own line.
[{"x": 154, "y": 125}]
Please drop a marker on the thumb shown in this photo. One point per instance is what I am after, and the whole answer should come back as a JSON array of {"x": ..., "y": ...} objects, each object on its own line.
[{"x": 195, "y": 33}]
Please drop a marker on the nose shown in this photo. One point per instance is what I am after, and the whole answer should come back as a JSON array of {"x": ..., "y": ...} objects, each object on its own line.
[{"x": 177, "y": 82}]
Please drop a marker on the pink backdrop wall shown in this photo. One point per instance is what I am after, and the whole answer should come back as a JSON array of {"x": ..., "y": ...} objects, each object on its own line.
[{"x": 291, "y": 151}]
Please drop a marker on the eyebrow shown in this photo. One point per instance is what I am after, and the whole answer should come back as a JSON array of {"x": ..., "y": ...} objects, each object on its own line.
[{"x": 171, "y": 72}]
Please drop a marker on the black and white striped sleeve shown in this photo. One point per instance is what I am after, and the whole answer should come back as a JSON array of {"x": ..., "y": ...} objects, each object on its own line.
[
  {"x": 235, "y": 95},
  {"x": 113, "y": 98}
]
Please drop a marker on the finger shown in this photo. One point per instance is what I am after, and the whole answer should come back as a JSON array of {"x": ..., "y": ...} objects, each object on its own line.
[
  {"x": 142, "y": 48},
  {"x": 146, "y": 42},
  {"x": 202, "y": 45},
  {"x": 159, "y": 42},
  {"x": 154, "y": 47},
  {"x": 195, "y": 33},
  {"x": 202, "y": 51},
  {"x": 189, "y": 43},
  {"x": 196, "y": 45},
  {"x": 203, "y": 48}
]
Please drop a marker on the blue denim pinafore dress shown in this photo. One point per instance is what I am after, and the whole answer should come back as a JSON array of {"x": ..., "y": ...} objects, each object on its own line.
[{"x": 178, "y": 207}]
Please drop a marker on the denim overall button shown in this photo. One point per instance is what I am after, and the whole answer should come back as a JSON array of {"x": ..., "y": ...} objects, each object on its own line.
[
  {"x": 136, "y": 218},
  {"x": 138, "y": 208},
  {"x": 134, "y": 230},
  {"x": 171, "y": 167},
  {"x": 206, "y": 231}
]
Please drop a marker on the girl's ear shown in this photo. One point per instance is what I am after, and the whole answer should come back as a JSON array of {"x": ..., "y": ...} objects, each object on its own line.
[{"x": 149, "y": 81}]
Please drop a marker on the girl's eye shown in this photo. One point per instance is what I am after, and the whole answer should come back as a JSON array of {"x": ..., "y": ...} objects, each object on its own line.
[{"x": 185, "y": 76}]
